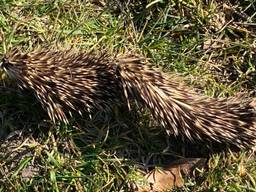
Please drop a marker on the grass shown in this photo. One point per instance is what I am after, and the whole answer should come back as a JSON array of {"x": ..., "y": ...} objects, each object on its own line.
[{"x": 211, "y": 45}]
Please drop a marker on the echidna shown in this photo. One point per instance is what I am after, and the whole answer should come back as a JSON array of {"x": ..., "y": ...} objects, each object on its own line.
[{"x": 75, "y": 81}]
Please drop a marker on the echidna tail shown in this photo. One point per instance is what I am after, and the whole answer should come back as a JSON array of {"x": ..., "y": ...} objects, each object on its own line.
[{"x": 74, "y": 81}]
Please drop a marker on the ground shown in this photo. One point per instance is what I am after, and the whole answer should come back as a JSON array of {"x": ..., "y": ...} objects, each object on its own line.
[{"x": 209, "y": 44}]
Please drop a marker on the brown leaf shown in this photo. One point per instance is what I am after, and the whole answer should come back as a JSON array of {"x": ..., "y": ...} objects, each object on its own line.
[{"x": 161, "y": 179}]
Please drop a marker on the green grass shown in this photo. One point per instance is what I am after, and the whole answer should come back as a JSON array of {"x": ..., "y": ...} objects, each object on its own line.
[{"x": 211, "y": 45}]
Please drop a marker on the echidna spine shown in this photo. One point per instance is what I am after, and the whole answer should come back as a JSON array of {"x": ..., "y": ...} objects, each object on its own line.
[{"x": 73, "y": 81}]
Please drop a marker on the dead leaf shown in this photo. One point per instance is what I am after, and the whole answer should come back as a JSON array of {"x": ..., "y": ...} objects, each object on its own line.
[{"x": 165, "y": 178}]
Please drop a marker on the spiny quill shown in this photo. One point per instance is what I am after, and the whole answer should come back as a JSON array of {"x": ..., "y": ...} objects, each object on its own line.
[{"x": 75, "y": 81}]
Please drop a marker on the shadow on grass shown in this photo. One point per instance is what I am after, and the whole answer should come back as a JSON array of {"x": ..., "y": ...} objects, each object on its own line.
[
  {"x": 131, "y": 135},
  {"x": 36, "y": 154}
]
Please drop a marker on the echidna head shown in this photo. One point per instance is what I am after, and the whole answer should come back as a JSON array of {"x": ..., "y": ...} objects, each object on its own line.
[
  {"x": 13, "y": 66},
  {"x": 4, "y": 63}
]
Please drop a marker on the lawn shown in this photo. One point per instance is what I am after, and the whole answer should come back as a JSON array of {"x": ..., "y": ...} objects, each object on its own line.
[{"x": 208, "y": 45}]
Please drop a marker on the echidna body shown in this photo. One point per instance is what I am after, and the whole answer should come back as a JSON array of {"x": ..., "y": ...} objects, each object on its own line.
[{"x": 68, "y": 81}]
